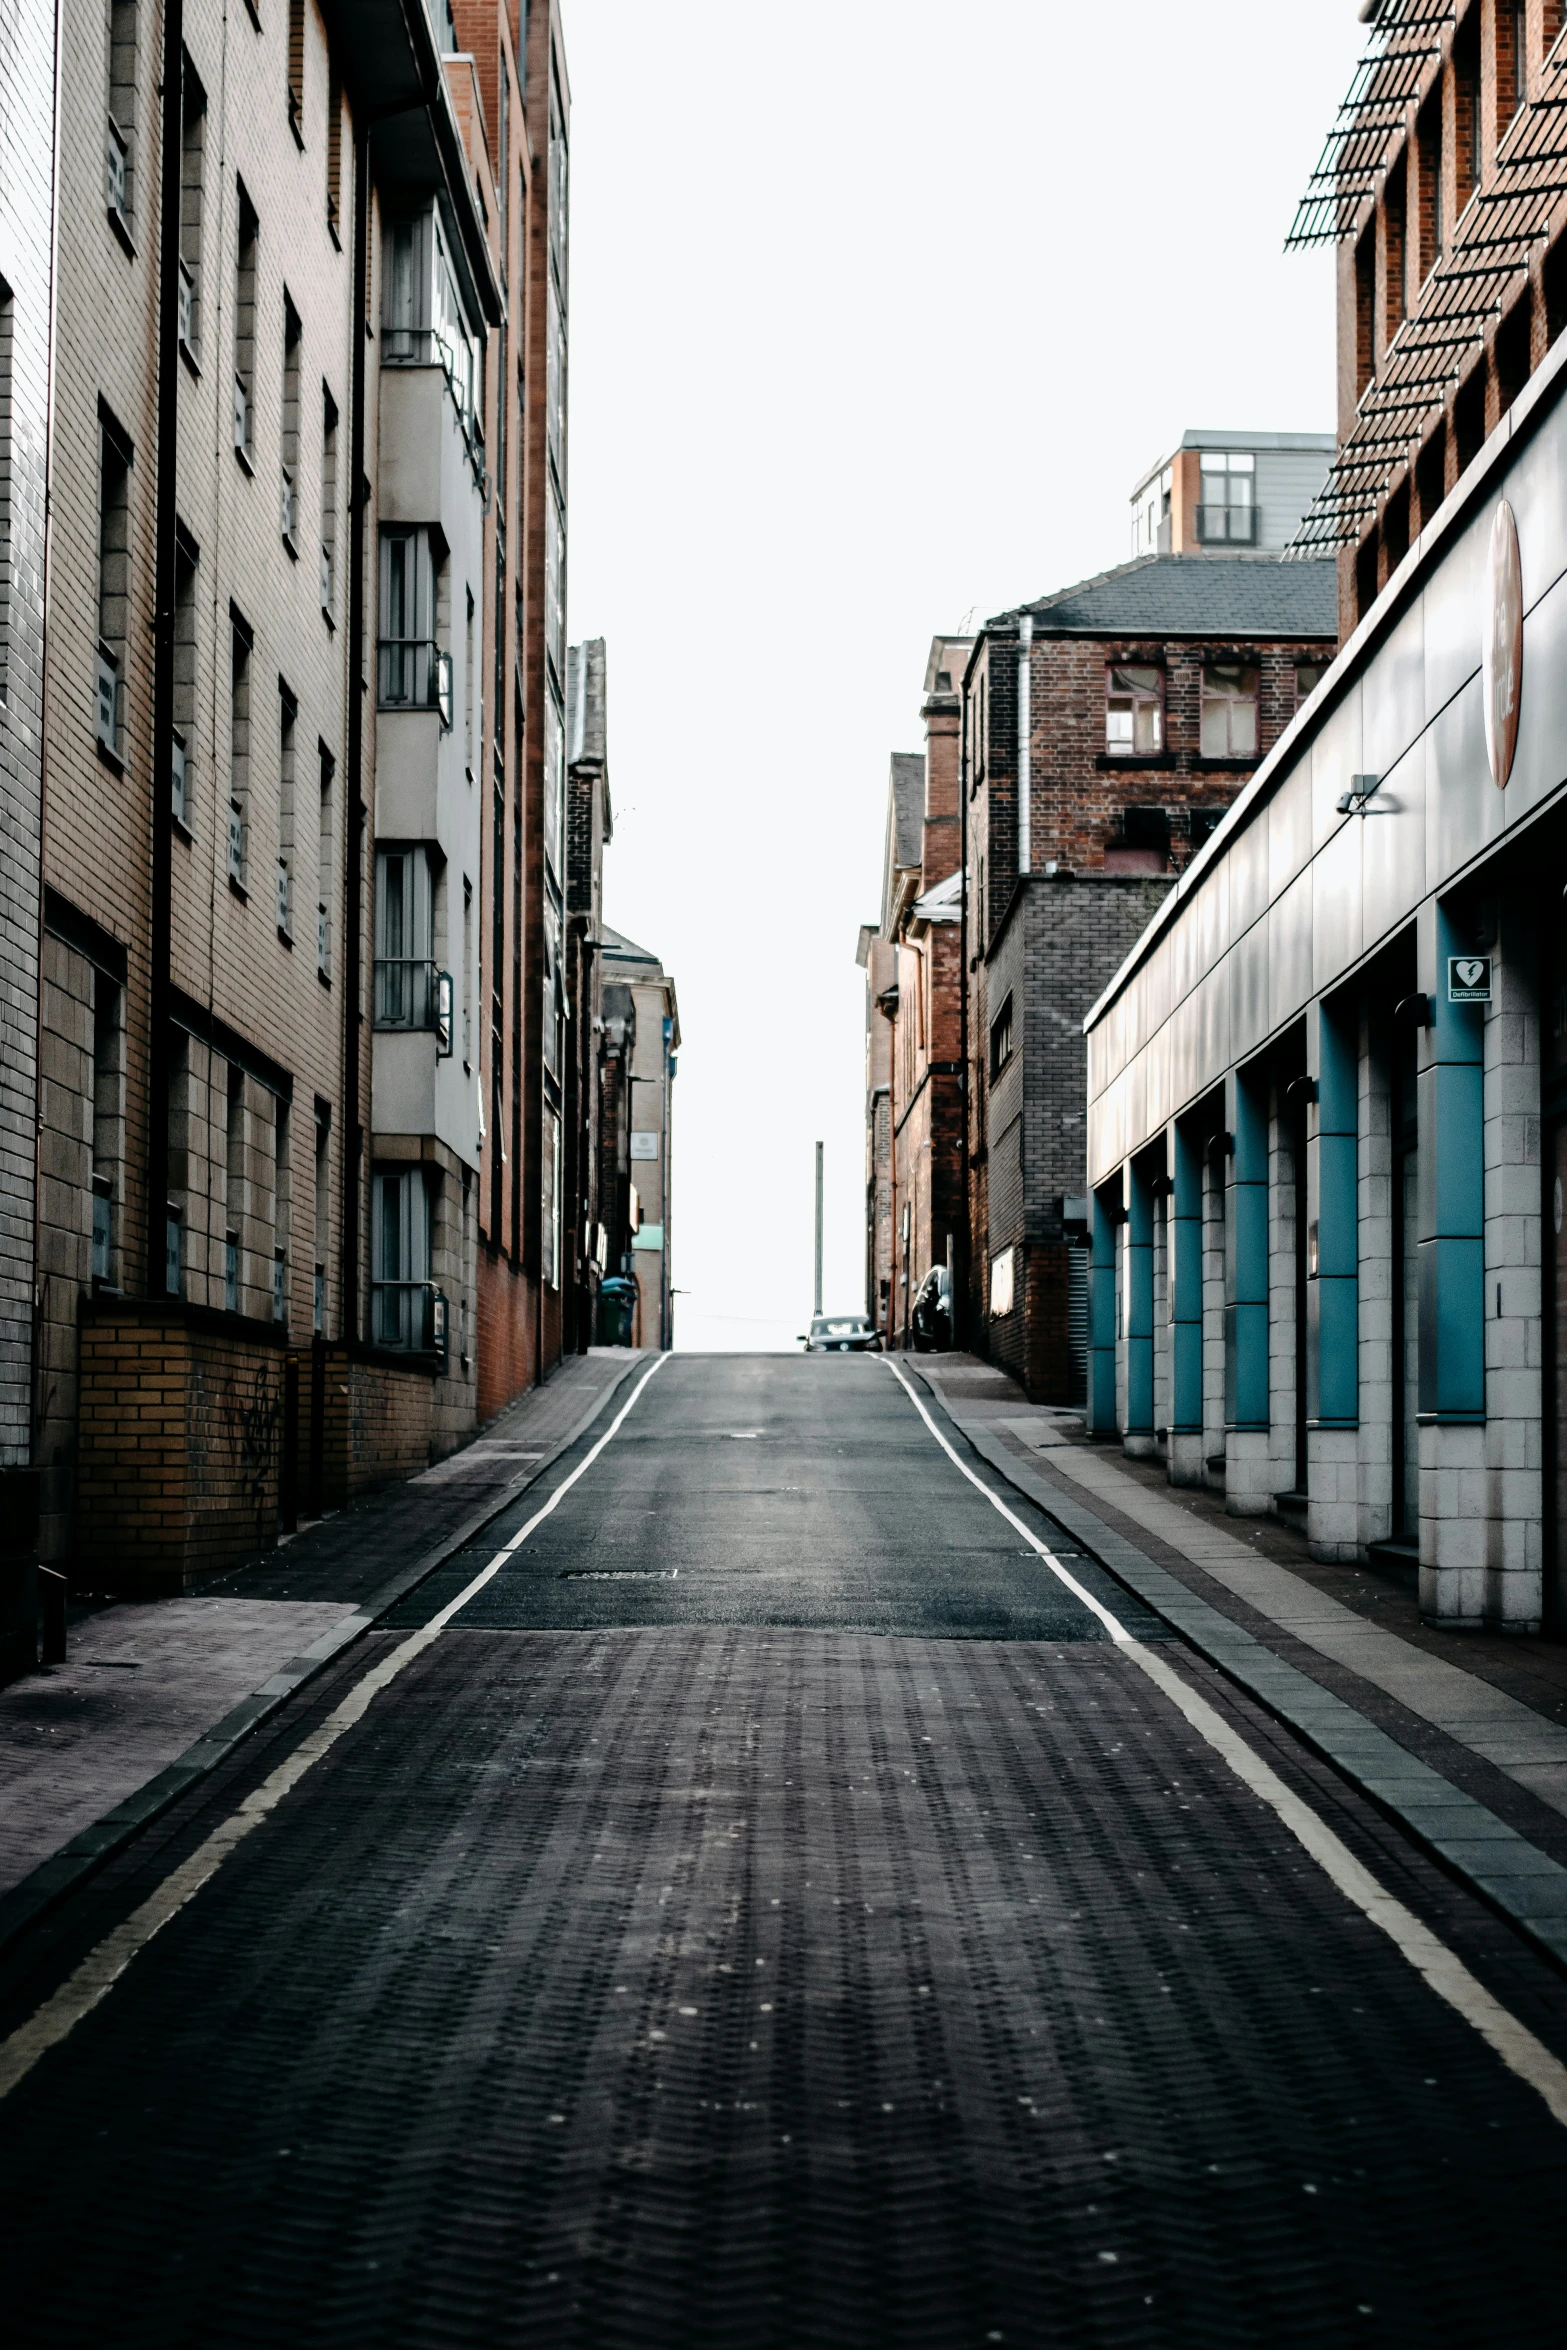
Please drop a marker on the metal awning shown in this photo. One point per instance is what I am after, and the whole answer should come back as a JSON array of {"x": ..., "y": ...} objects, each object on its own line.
[{"x": 1406, "y": 35}]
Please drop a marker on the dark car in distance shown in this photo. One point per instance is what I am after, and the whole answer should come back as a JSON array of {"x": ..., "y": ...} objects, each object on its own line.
[
  {"x": 841, "y": 1334},
  {"x": 930, "y": 1319}
]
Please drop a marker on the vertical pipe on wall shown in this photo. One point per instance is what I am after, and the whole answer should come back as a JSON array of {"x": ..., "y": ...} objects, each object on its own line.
[
  {"x": 165, "y": 525},
  {"x": 1333, "y": 1219},
  {"x": 1246, "y": 1252},
  {"x": 1025, "y": 776},
  {"x": 354, "y": 812}
]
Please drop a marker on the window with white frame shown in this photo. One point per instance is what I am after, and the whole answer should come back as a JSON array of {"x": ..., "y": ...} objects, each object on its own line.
[
  {"x": 1229, "y": 710},
  {"x": 1134, "y": 710}
]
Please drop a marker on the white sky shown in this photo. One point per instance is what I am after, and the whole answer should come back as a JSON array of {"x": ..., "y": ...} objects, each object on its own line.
[{"x": 869, "y": 333}]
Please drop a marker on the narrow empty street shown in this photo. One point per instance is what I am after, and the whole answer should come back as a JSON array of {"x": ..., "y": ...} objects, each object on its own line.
[{"x": 774, "y": 1902}]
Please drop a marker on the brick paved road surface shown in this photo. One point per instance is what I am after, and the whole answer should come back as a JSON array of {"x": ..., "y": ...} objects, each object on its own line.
[{"x": 772, "y": 1911}]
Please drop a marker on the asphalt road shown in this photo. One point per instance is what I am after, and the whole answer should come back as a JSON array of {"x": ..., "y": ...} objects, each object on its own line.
[{"x": 774, "y": 1908}]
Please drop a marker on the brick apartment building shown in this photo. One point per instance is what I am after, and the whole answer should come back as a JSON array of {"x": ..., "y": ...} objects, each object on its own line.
[
  {"x": 301, "y": 1002},
  {"x": 1443, "y": 183},
  {"x": 914, "y": 997},
  {"x": 641, "y": 1044},
  {"x": 27, "y": 81},
  {"x": 1106, "y": 729}
]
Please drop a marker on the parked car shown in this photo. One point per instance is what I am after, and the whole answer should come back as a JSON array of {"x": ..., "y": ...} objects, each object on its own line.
[
  {"x": 841, "y": 1334},
  {"x": 930, "y": 1320}
]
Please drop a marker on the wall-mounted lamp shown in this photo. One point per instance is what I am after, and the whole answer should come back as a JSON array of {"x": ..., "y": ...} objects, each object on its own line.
[{"x": 1361, "y": 787}]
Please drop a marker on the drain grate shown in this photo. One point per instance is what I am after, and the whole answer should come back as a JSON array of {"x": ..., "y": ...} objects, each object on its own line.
[{"x": 620, "y": 1575}]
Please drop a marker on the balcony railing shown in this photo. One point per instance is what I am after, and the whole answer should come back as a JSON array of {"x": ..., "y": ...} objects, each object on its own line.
[
  {"x": 1232, "y": 526},
  {"x": 406, "y": 993},
  {"x": 408, "y": 1317},
  {"x": 414, "y": 674}
]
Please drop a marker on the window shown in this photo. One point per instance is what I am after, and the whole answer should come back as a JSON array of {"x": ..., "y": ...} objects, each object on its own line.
[
  {"x": 1428, "y": 158},
  {"x": 555, "y": 376},
  {"x": 412, "y": 674},
  {"x": 114, "y": 487},
  {"x": 1512, "y": 59},
  {"x": 1202, "y": 824},
  {"x": 288, "y": 493},
  {"x": 328, "y": 504},
  {"x": 1227, "y": 512},
  {"x": 179, "y": 1162},
  {"x": 1395, "y": 215},
  {"x": 183, "y": 781},
  {"x": 235, "y": 1193},
  {"x": 552, "y": 987},
  {"x": 282, "y": 1203},
  {"x": 1229, "y": 711},
  {"x": 1140, "y": 842},
  {"x": 423, "y": 320},
  {"x": 239, "y": 753},
  {"x": 401, "y": 1301},
  {"x": 324, "y": 864},
  {"x": 120, "y": 143},
  {"x": 245, "y": 328},
  {"x": 108, "y": 1125},
  {"x": 1001, "y": 1038},
  {"x": 334, "y": 157},
  {"x": 1151, "y": 516},
  {"x": 1134, "y": 711},
  {"x": 1308, "y": 676},
  {"x": 554, "y": 783},
  {"x": 552, "y": 1191},
  {"x": 323, "y": 1211},
  {"x": 555, "y": 584},
  {"x": 192, "y": 159},
  {"x": 405, "y": 989},
  {"x": 296, "y": 69},
  {"x": 287, "y": 714}
]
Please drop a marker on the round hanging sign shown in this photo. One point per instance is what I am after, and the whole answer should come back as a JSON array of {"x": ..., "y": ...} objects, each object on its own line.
[{"x": 1502, "y": 666}]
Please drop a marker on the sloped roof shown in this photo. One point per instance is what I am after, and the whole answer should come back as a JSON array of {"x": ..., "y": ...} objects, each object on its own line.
[
  {"x": 620, "y": 949},
  {"x": 942, "y": 902},
  {"x": 1194, "y": 595}
]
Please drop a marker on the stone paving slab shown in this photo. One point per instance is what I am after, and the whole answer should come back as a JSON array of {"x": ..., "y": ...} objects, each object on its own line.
[{"x": 92, "y": 1750}]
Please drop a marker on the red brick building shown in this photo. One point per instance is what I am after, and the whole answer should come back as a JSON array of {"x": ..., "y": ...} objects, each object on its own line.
[
  {"x": 912, "y": 961},
  {"x": 1105, "y": 731}
]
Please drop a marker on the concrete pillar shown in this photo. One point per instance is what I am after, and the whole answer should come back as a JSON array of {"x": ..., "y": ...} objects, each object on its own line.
[
  {"x": 1247, "y": 1430},
  {"x": 1102, "y": 1222},
  {"x": 1450, "y": 1254},
  {"x": 1333, "y": 1280},
  {"x": 1138, "y": 1200},
  {"x": 1186, "y": 1437}
]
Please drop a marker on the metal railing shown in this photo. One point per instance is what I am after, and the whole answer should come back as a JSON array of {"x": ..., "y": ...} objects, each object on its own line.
[
  {"x": 408, "y": 1317},
  {"x": 1234, "y": 526},
  {"x": 406, "y": 992},
  {"x": 412, "y": 673}
]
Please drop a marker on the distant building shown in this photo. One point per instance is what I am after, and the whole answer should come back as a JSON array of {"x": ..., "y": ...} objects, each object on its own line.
[
  {"x": 1221, "y": 491},
  {"x": 1106, "y": 729},
  {"x": 642, "y": 1039},
  {"x": 590, "y": 826},
  {"x": 914, "y": 998}
]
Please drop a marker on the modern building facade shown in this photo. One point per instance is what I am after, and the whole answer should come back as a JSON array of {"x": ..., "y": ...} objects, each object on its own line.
[
  {"x": 1105, "y": 731},
  {"x": 639, "y": 1003},
  {"x": 27, "y": 106},
  {"x": 1224, "y": 490},
  {"x": 261, "y": 1140},
  {"x": 1327, "y": 1125}
]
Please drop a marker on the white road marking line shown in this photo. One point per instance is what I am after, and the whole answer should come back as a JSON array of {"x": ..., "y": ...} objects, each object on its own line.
[
  {"x": 102, "y": 1968},
  {"x": 1430, "y": 1957}
]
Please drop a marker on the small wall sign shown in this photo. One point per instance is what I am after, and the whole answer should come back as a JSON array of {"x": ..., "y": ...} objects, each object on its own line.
[
  {"x": 1468, "y": 979},
  {"x": 644, "y": 1145}
]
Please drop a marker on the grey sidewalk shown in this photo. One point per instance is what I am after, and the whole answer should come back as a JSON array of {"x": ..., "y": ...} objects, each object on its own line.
[
  {"x": 152, "y": 1692},
  {"x": 1464, "y": 1737}
]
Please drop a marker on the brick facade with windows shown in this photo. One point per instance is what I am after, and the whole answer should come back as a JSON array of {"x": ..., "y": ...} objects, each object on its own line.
[{"x": 1117, "y": 808}]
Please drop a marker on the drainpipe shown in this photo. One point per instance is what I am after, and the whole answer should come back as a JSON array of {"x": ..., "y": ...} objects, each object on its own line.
[
  {"x": 1025, "y": 803},
  {"x": 161, "y": 913},
  {"x": 355, "y": 812}
]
